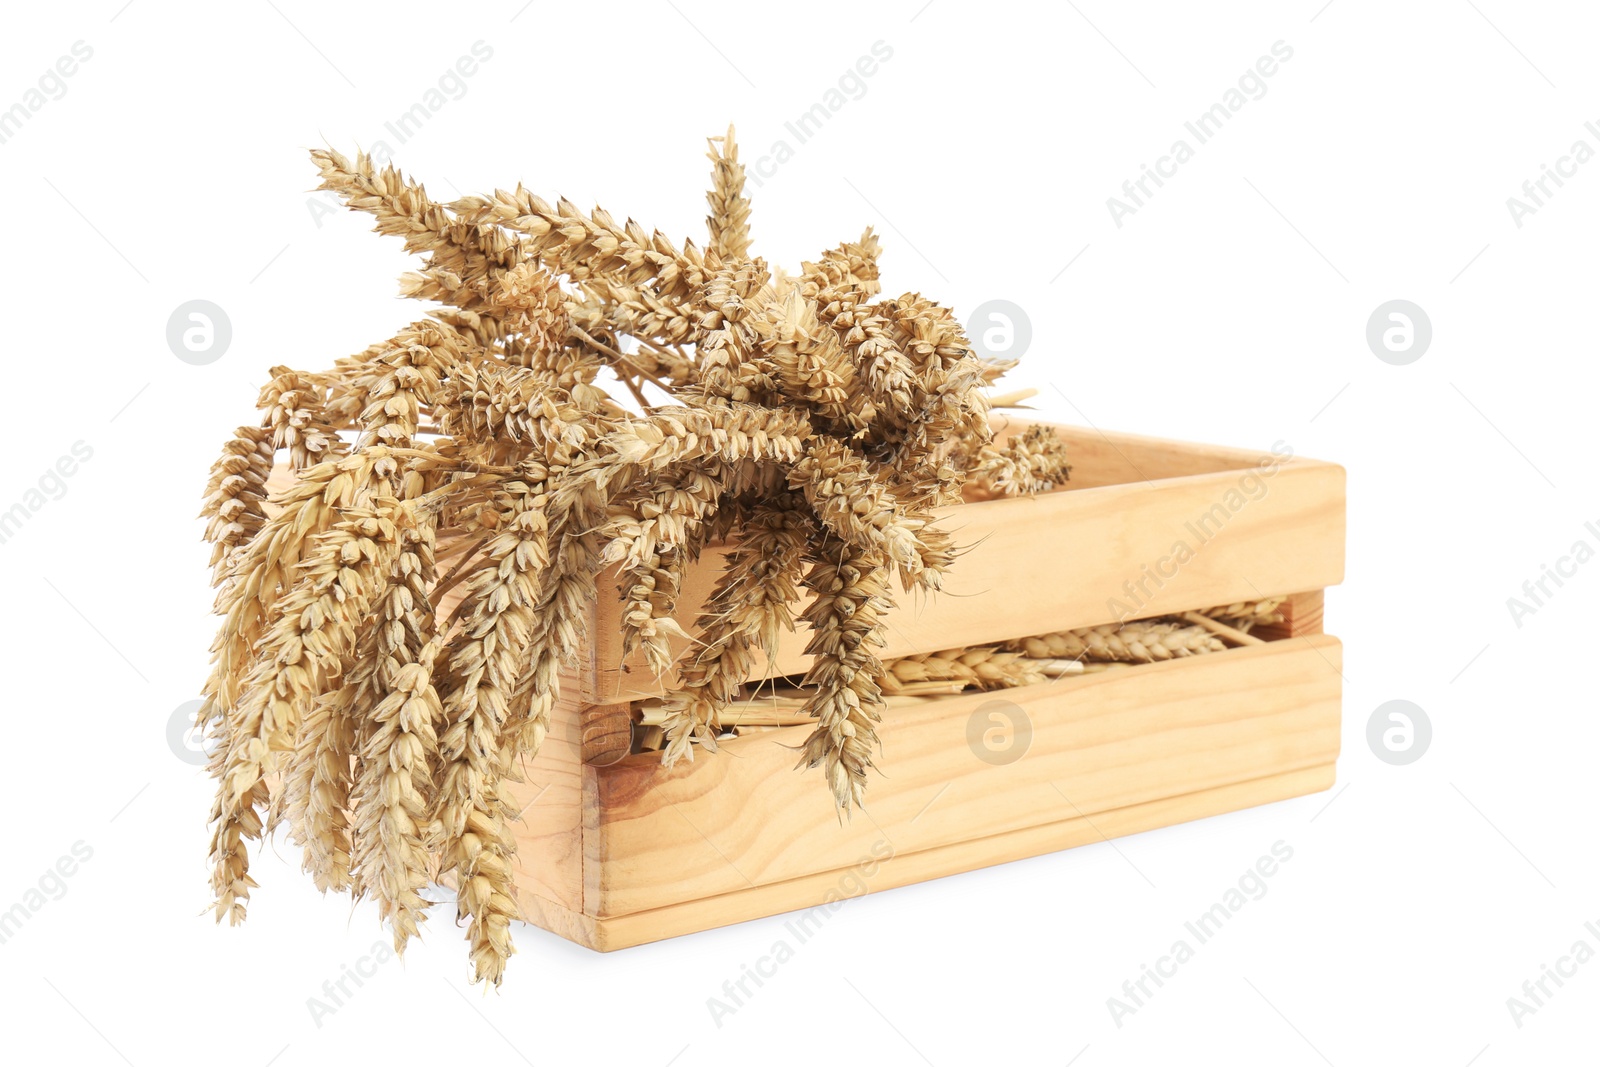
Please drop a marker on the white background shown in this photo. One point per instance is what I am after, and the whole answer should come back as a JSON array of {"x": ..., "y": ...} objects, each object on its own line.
[{"x": 1231, "y": 308}]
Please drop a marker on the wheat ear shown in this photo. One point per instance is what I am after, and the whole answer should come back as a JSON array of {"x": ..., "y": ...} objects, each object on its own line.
[
  {"x": 729, "y": 221},
  {"x": 748, "y": 609},
  {"x": 485, "y": 660},
  {"x": 1144, "y": 641},
  {"x": 236, "y": 495},
  {"x": 846, "y": 624},
  {"x": 1247, "y": 613},
  {"x": 980, "y": 668},
  {"x": 393, "y": 795}
]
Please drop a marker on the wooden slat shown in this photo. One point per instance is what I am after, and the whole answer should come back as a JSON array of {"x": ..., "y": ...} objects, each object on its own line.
[
  {"x": 744, "y": 818},
  {"x": 828, "y": 887},
  {"x": 1073, "y": 559}
]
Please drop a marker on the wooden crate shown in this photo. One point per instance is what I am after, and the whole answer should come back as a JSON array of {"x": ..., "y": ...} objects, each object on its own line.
[{"x": 615, "y": 851}]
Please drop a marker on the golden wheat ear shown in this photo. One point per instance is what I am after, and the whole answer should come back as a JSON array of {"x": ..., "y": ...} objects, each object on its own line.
[
  {"x": 728, "y": 225},
  {"x": 846, "y": 619},
  {"x": 751, "y": 604},
  {"x": 236, "y": 496}
]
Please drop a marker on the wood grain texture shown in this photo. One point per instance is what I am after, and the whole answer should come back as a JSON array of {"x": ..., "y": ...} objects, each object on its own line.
[
  {"x": 822, "y": 893},
  {"x": 549, "y": 833},
  {"x": 743, "y": 819},
  {"x": 607, "y": 733},
  {"x": 1209, "y": 527},
  {"x": 1101, "y": 458}
]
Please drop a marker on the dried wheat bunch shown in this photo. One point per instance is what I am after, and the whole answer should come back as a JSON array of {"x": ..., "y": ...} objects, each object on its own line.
[{"x": 583, "y": 394}]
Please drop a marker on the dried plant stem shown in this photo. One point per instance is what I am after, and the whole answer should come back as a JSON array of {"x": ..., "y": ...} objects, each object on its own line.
[
  {"x": 470, "y": 556},
  {"x": 1011, "y": 399},
  {"x": 627, "y": 362},
  {"x": 1221, "y": 629}
]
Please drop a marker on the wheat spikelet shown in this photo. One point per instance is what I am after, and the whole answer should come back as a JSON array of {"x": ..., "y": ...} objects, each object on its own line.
[
  {"x": 405, "y": 378},
  {"x": 586, "y": 247},
  {"x": 855, "y": 508},
  {"x": 296, "y": 413},
  {"x": 725, "y": 367},
  {"x": 659, "y": 529},
  {"x": 576, "y": 511},
  {"x": 268, "y": 565},
  {"x": 949, "y": 407},
  {"x": 465, "y": 258},
  {"x": 884, "y": 369},
  {"x": 318, "y": 783},
  {"x": 316, "y": 790},
  {"x": 723, "y": 432},
  {"x": 803, "y": 358},
  {"x": 394, "y": 794},
  {"x": 842, "y": 280}
]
